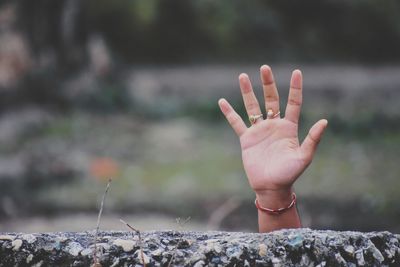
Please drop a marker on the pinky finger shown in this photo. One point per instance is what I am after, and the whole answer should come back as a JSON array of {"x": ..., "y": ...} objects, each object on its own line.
[{"x": 233, "y": 118}]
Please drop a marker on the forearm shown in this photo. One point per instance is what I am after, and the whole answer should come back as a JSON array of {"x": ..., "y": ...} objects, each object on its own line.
[{"x": 275, "y": 199}]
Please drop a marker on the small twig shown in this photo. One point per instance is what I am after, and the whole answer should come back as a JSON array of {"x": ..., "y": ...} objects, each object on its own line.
[
  {"x": 140, "y": 240},
  {"x": 223, "y": 211},
  {"x": 181, "y": 225},
  {"x": 95, "y": 259},
  {"x": 130, "y": 227}
]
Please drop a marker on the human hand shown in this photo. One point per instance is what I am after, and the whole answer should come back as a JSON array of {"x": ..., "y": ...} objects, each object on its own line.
[{"x": 272, "y": 155}]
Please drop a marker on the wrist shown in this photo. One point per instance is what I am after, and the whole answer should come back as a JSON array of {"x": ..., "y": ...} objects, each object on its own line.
[{"x": 275, "y": 199}]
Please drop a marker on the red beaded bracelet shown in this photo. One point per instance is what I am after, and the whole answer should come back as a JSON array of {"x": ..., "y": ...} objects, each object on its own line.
[{"x": 277, "y": 211}]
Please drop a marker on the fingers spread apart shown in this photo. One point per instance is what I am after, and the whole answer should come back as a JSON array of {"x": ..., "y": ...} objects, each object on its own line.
[
  {"x": 233, "y": 118},
  {"x": 271, "y": 97}
]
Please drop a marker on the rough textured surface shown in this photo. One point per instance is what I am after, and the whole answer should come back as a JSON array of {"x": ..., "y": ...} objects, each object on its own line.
[{"x": 302, "y": 247}]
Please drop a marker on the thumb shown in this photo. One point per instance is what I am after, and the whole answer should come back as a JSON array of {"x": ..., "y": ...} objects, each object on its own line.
[{"x": 310, "y": 143}]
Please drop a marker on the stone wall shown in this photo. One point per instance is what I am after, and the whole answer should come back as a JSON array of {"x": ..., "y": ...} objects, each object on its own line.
[{"x": 302, "y": 247}]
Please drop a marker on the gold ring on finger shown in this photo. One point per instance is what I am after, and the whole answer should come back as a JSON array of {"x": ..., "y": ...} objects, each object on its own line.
[
  {"x": 253, "y": 118},
  {"x": 271, "y": 115}
]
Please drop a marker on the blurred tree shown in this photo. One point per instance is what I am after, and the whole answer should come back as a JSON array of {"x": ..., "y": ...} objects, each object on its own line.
[
  {"x": 56, "y": 31},
  {"x": 154, "y": 31},
  {"x": 177, "y": 32},
  {"x": 69, "y": 38},
  {"x": 360, "y": 31}
]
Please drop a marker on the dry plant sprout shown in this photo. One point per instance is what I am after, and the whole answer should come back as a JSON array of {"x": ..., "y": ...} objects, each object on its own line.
[
  {"x": 96, "y": 262},
  {"x": 140, "y": 240},
  {"x": 181, "y": 225}
]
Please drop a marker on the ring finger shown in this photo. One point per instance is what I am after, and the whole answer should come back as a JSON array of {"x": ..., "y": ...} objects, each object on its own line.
[
  {"x": 249, "y": 98},
  {"x": 271, "y": 95}
]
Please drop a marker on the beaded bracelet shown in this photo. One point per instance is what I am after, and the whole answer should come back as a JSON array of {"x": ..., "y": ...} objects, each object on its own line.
[{"x": 276, "y": 211}]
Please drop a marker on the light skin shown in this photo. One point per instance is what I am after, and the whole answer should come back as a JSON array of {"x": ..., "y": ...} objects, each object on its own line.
[{"x": 272, "y": 155}]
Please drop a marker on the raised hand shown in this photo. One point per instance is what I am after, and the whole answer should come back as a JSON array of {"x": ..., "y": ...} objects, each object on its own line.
[{"x": 272, "y": 155}]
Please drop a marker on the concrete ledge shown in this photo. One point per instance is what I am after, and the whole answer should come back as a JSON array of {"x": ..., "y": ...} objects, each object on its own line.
[{"x": 301, "y": 247}]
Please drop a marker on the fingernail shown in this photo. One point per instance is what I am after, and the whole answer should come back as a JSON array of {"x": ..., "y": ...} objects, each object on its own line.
[
  {"x": 265, "y": 67},
  {"x": 243, "y": 76}
]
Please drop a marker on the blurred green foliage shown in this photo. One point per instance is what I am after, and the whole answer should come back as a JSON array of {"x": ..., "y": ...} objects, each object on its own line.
[
  {"x": 182, "y": 30},
  {"x": 155, "y": 31}
]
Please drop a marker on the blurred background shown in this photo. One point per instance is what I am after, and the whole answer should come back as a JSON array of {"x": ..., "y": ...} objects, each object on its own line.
[{"x": 128, "y": 89}]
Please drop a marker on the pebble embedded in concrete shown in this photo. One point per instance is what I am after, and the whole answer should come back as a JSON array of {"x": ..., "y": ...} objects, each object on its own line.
[
  {"x": 127, "y": 245},
  {"x": 29, "y": 258},
  {"x": 16, "y": 244},
  {"x": 7, "y": 237},
  {"x": 199, "y": 264},
  {"x": 350, "y": 250},
  {"x": 74, "y": 248},
  {"x": 360, "y": 257},
  {"x": 262, "y": 250},
  {"x": 29, "y": 238}
]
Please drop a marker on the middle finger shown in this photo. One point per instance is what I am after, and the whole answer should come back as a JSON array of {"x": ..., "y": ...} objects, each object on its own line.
[{"x": 271, "y": 95}]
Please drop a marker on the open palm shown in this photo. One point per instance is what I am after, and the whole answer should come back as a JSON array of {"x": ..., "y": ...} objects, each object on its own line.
[{"x": 272, "y": 155}]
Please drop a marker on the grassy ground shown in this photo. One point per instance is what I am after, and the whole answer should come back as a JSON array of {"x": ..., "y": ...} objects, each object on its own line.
[{"x": 183, "y": 168}]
